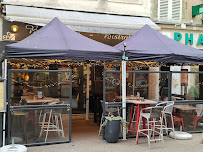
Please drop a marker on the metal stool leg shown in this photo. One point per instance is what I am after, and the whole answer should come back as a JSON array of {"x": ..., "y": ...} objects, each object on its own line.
[
  {"x": 139, "y": 125},
  {"x": 61, "y": 125},
  {"x": 42, "y": 127},
  {"x": 100, "y": 128},
  {"x": 50, "y": 115}
]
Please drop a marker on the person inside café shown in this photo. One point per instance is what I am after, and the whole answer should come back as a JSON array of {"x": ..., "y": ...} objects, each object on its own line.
[{"x": 18, "y": 93}]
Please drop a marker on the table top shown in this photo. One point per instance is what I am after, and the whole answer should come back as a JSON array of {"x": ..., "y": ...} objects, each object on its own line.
[
  {"x": 185, "y": 107},
  {"x": 127, "y": 97},
  {"x": 40, "y": 101},
  {"x": 142, "y": 102},
  {"x": 18, "y": 113}
]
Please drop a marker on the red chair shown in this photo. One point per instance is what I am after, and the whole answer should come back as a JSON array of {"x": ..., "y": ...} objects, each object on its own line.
[
  {"x": 195, "y": 119},
  {"x": 176, "y": 119}
]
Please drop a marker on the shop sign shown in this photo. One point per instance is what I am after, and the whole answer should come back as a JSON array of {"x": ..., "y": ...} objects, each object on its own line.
[
  {"x": 188, "y": 38},
  {"x": 196, "y": 10},
  {"x": 9, "y": 36},
  {"x": 2, "y": 96},
  {"x": 12, "y": 37},
  {"x": 116, "y": 36}
]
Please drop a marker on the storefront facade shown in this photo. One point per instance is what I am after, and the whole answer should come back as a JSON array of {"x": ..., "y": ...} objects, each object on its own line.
[{"x": 109, "y": 22}]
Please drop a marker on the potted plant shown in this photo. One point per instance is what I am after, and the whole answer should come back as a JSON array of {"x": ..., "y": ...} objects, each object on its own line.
[
  {"x": 193, "y": 92},
  {"x": 112, "y": 127}
]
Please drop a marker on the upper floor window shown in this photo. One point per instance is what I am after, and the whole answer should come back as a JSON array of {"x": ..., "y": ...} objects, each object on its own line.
[{"x": 170, "y": 10}]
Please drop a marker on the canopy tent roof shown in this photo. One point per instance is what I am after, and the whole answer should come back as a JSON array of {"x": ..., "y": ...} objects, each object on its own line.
[
  {"x": 57, "y": 41},
  {"x": 149, "y": 45},
  {"x": 2, "y": 47}
]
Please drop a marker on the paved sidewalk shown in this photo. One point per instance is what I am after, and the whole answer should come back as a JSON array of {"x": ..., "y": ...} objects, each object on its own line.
[{"x": 96, "y": 144}]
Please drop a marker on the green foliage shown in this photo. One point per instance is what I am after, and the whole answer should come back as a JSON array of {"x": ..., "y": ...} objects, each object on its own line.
[
  {"x": 193, "y": 92},
  {"x": 112, "y": 117}
]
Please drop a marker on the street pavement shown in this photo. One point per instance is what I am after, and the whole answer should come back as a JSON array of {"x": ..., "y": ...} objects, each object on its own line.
[{"x": 97, "y": 144}]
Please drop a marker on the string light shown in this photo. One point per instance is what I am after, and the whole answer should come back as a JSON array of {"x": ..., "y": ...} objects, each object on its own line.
[{"x": 44, "y": 64}]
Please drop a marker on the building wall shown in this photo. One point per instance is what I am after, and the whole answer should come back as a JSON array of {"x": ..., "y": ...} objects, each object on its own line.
[
  {"x": 187, "y": 25},
  {"x": 186, "y": 11},
  {"x": 125, "y": 7},
  {"x": 1, "y": 28},
  {"x": 170, "y": 29}
]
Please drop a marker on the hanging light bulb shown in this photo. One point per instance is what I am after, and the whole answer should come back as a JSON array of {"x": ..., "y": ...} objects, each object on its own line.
[
  {"x": 23, "y": 75},
  {"x": 85, "y": 68},
  {"x": 14, "y": 28},
  {"x": 26, "y": 77}
]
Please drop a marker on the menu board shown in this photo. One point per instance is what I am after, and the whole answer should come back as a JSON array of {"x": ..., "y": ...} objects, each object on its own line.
[
  {"x": 2, "y": 96},
  {"x": 184, "y": 77},
  {"x": 98, "y": 73},
  {"x": 141, "y": 80}
]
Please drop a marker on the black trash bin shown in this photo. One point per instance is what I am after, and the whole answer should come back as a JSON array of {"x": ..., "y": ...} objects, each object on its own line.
[{"x": 112, "y": 130}]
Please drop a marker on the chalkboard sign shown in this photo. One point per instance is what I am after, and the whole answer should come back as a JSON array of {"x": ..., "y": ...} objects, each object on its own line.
[{"x": 98, "y": 70}]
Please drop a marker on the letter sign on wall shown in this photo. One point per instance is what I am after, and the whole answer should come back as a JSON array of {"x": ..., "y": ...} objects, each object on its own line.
[
  {"x": 200, "y": 39},
  {"x": 177, "y": 36},
  {"x": 188, "y": 39}
]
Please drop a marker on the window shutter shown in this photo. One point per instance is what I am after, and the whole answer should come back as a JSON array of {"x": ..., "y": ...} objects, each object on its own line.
[
  {"x": 163, "y": 10},
  {"x": 170, "y": 10},
  {"x": 176, "y": 10}
]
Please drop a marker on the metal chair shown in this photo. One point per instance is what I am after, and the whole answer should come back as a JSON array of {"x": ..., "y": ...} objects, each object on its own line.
[
  {"x": 152, "y": 117},
  {"x": 54, "y": 122},
  {"x": 179, "y": 119},
  {"x": 167, "y": 110},
  {"x": 108, "y": 111}
]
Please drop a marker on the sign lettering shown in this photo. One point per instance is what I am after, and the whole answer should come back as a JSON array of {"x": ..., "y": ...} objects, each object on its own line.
[
  {"x": 116, "y": 36},
  {"x": 188, "y": 38},
  {"x": 200, "y": 40}
]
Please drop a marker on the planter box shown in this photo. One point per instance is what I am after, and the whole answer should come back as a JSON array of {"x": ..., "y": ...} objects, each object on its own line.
[{"x": 112, "y": 130}]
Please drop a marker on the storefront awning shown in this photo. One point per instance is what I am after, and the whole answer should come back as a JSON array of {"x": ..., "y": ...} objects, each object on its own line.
[{"x": 79, "y": 21}]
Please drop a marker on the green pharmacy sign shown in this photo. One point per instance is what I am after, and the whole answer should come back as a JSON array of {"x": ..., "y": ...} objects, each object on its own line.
[
  {"x": 188, "y": 38},
  {"x": 196, "y": 10}
]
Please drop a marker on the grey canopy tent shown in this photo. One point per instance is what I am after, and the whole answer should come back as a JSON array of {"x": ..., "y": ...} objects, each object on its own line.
[
  {"x": 148, "y": 44},
  {"x": 57, "y": 41},
  {"x": 2, "y": 47}
]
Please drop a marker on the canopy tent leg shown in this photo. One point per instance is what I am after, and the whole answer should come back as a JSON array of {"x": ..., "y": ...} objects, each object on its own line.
[
  {"x": 133, "y": 84},
  {"x": 124, "y": 96},
  {"x": 4, "y": 128},
  {"x": 87, "y": 92},
  {"x": 4, "y": 115}
]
